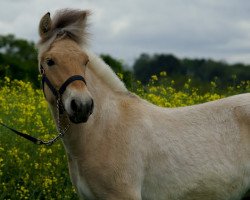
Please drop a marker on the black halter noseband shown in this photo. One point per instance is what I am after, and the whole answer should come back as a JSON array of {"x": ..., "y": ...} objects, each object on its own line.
[{"x": 59, "y": 93}]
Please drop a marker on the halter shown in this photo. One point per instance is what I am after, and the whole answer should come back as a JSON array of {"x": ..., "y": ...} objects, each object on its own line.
[{"x": 59, "y": 93}]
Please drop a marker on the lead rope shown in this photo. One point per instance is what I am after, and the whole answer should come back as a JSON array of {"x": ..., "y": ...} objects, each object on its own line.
[
  {"x": 65, "y": 129},
  {"x": 38, "y": 141},
  {"x": 61, "y": 130}
]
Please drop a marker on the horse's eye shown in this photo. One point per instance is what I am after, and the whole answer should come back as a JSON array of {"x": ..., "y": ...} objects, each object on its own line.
[{"x": 50, "y": 62}]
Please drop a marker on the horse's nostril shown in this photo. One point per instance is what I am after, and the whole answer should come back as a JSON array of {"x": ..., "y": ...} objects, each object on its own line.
[
  {"x": 80, "y": 110},
  {"x": 91, "y": 106},
  {"x": 73, "y": 105}
]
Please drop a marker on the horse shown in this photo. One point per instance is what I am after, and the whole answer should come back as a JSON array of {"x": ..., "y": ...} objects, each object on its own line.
[{"x": 121, "y": 147}]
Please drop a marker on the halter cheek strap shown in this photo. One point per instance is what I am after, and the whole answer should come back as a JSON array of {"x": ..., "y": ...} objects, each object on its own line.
[{"x": 51, "y": 87}]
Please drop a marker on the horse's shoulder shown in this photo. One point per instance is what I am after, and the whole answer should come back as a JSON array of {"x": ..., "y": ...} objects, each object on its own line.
[{"x": 242, "y": 108}]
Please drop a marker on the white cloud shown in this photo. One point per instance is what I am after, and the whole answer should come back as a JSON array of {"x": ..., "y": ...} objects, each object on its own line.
[{"x": 120, "y": 26}]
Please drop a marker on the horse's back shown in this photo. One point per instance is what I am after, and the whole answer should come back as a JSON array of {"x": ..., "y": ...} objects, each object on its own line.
[
  {"x": 199, "y": 151},
  {"x": 227, "y": 112}
]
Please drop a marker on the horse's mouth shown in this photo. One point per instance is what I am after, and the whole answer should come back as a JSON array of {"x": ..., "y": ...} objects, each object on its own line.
[
  {"x": 80, "y": 113},
  {"x": 76, "y": 120},
  {"x": 80, "y": 117}
]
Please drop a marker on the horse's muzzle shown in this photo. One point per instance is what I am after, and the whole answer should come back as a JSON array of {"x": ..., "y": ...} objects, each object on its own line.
[{"x": 81, "y": 111}]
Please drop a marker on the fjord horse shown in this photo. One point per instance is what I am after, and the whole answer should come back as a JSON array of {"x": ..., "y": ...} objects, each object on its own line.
[{"x": 121, "y": 147}]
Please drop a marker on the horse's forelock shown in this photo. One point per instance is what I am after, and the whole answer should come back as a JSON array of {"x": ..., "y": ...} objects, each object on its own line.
[
  {"x": 70, "y": 23},
  {"x": 67, "y": 17}
]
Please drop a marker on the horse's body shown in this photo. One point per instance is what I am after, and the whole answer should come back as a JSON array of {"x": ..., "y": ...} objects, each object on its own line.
[{"x": 131, "y": 149}]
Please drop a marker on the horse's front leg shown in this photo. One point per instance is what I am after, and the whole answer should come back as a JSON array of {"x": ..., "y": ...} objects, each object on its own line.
[
  {"x": 123, "y": 197},
  {"x": 121, "y": 192}
]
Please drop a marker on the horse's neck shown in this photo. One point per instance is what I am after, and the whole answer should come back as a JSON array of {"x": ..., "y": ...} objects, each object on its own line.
[
  {"x": 102, "y": 82},
  {"x": 105, "y": 88}
]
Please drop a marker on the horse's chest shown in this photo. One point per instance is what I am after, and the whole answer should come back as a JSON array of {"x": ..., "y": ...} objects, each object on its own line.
[
  {"x": 83, "y": 189},
  {"x": 79, "y": 181}
]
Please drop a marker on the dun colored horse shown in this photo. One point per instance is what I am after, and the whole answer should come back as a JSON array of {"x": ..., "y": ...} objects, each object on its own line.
[{"x": 121, "y": 147}]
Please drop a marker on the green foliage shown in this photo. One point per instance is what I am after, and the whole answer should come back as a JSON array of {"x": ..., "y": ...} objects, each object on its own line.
[
  {"x": 201, "y": 71},
  {"x": 146, "y": 66},
  {"x": 18, "y": 59}
]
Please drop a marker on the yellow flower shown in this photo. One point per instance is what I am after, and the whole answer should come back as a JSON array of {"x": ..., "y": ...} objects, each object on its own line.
[
  {"x": 7, "y": 79},
  {"x": 163, "y": 73},
  {"x": 154, "y": 78}
]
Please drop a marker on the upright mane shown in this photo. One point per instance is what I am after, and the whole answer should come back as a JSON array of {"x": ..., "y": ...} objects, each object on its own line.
[
  {"x": 104, "y": 72},
  {"x": 72, "y": 24}
]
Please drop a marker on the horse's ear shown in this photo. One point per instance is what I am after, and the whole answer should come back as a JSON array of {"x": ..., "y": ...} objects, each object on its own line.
[
  {"x": 81, "y": 18},
  {"x": 85, "y": 14},
  {"x": 45, "y": 25}
]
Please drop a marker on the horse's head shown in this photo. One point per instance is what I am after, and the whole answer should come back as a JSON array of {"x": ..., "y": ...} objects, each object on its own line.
[{"x": 63, "y": 63}]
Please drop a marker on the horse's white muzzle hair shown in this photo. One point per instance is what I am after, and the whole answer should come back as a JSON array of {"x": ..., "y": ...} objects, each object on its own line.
[{"x": 79, "y": 105}]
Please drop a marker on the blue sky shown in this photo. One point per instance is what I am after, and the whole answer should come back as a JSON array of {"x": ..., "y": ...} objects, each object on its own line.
[{"x": 218, "y": 29}]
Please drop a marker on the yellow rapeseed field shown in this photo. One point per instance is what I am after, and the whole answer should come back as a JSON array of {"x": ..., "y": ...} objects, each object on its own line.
[{"x": 28, "y": 171}]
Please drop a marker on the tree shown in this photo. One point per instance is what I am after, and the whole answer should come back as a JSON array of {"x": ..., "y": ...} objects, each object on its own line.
[
  {"x": 18, "y": 59},
  {"x": 201, "y": 71},
  {"x": 146, "y": 66}
]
